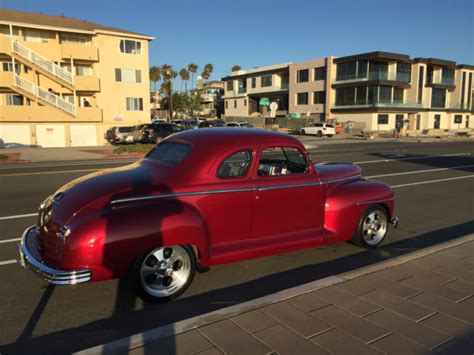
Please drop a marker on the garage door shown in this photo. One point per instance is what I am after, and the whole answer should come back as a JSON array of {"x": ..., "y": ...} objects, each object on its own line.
[
  {"x": 15, "y": 133},
  {"x": 83, "y": 135},
  {"x": 50, "y": 135}
]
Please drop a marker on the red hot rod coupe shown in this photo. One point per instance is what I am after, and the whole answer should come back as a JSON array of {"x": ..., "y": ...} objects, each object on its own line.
[{"x": 197, "y": 199}]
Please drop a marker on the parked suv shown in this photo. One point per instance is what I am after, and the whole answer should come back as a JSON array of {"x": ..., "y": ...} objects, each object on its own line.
[
  {"x": 157, "y": 131},
  {"x": 119, "y": 135},
  {"x": 320, "y": 129}
]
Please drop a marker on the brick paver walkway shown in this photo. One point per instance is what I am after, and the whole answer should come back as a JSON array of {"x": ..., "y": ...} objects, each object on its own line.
[{"x": 424, "y": 306}]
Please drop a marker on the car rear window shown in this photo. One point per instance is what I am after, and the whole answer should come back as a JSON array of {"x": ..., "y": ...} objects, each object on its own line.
[
  {"x": 169, "y": 153},
  {"x": 125, "y": 129}
]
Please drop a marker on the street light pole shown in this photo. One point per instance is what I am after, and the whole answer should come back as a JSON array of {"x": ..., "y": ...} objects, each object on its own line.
[{"x": 170, "y": 96}]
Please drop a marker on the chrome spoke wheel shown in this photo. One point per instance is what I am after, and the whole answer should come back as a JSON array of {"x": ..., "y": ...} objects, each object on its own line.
[
  {"x": 164, "y": 271},
  {"x": 374, "y": 227}
]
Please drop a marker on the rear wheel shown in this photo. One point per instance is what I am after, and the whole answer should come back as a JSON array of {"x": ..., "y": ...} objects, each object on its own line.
[
  {"x": 164, "y": 273},
  {"x": 303, "y": 131},
  {"x": 372, "y": 228},
  {"x": 319, "y": 134}
]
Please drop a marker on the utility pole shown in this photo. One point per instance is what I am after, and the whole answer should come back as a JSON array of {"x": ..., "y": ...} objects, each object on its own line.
[{"x": 170, "y": 97}]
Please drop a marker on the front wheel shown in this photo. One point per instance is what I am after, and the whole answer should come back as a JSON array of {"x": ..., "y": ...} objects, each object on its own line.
[
  {"x": 372, "y": 228},
  {"x": 319, "y": 134},
  {"x": 303, "y": 131},
  {"x": 164, "y": 273}
]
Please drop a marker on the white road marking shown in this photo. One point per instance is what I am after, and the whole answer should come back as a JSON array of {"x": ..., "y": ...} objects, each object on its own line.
[
  {"x": 410, "y": 158},
  {"x": 8, "y": 262},
  {"x": 10, "y": 240},
  {"x": 50, "y": 172},
  {"x": 420, "y": 171},
  {"x": 18, "y": 216},
  {"x": 432, "y": 181},
  {"x": 49, "y": 165}
]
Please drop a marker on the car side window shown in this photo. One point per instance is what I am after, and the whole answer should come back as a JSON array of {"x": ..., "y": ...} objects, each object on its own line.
[
  {"x": 236, "y": 165},
  {"x": 281, "y": 161}
]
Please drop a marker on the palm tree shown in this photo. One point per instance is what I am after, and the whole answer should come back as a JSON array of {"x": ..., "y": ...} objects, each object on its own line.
[
  {"x": 184, "y": 75},
  {"x": 168, "y": 75},
  {"x": 236, "y": 68},
  {"x": 192, "y": 69},
  {"x": 207, "y": 72},
  {"x": 155, "y": 77}
]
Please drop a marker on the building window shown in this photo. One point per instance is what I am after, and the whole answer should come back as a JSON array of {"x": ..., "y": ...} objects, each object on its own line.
[
  {"x": 447, "y": 76},
  {"x": 385, "y": 94},
  {"x": 35, "y": 36},
  {"x": 403, "y": 72},
  {"x": 245, "y": 102},
  {"x": 226, "y": 105},
  {"x": 84, "y": 71},
  {"x": 319, "y": 97},
  {"x": 345, "y": 96},
  {"x": 469, "y": 91},
  {"x": 235, "y": 103},
  {"x": 438, "y": 98},
  {"x": 361, "y": 97},
  {"x": 230, "y": 85},
  {"x": 14, "y": 100},
  {"x": 320, "y": 73},
  {"x": 242, "y": 86},
  {"x": 437, "y": 122},
  {"x": 398, "y": 95},
  {"x": 128, "y": 75},
  {"x": 420, "y": 84},
  {"x": 382, "y": 119},
  {"x": 429, "y": 75},
  {"x": 134, "y": 104},
  {"x": 8, "y": 66},
  {"x": 378, "y": 71},
  {"x": 458, "y": 119},
  {"x": 254, "y": 83},
  {"x": 346, "y": 71},
  {"x": 372, "y": 94},
  {"x": 463, "y": 89},
  {"x": 266, "y": 81},
  {"x": 302, "y": 98},
  {"x": 130, "y": 47},
  {"x": 72, "y": 39},
  {"x": 302, "y": 76},
  {"x": 362, "y": 66}
]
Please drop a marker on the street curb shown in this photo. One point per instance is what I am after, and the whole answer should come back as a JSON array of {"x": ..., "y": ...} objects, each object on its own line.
[{"x": 140, "y": 339}]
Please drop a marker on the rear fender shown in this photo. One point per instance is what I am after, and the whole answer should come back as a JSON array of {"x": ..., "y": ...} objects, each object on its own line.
[{"x": 346, "y": 203}]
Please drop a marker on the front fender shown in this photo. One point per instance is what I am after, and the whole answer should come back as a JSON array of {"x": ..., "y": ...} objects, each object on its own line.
[
  {"x": 346, "y": 203},
  {"x": 108, "y": 241}
]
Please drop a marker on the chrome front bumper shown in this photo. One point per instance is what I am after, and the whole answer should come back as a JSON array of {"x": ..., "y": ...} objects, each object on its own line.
[
  {"x": 395, "y": 221},
  {"x": 53, "y": 276}
]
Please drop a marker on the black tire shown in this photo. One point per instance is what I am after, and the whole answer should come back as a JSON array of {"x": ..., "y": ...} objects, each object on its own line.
[
  {"x": 319, "y": 134},
  {"x": 373, "y": 216},
  {"x": 303, "y": 131},
  {"x": 145, "y": 291}
]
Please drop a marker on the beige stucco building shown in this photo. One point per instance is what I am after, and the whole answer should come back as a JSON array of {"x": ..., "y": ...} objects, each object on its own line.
[
  {"x": 64, "y": 82},
  {"x": 379, "y": 91}
]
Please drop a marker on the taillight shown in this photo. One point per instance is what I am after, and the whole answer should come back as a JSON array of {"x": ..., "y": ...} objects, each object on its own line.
[
  {"x": 116, "y": 136},
  {"x": 324, "y": 128}
]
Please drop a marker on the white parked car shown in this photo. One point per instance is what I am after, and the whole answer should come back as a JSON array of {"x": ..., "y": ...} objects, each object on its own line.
[
  {"x": 239, "y": 124},
  {"x": 320, "y": 129}
]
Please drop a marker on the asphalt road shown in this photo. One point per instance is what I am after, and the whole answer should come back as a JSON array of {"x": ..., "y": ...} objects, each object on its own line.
[{"x": 434, "y": 186}]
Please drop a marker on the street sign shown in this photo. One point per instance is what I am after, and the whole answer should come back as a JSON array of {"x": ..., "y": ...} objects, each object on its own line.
[{"x": 264, "y": 101}]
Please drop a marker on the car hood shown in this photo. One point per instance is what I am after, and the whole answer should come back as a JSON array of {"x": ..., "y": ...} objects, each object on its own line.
[
  {"x": 337, "y": 172},
  {"x": 107, "y": 184}
]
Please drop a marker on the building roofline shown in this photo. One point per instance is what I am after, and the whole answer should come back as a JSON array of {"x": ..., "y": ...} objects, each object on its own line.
[
  {"x": 435, "y": 61},
  {"x": 376, "y": 54},
  {"x": 260, "y": 70},
  {"x": 465, "y": 66}
]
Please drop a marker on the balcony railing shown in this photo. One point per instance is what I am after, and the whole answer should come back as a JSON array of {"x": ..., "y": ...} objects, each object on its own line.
[
  {"x": 383, "y": 104},
  {"x": 398, "y": 77},
  {"x": 443, "y": 81},
  {"x": 42, "y": 62},
  {"x": 44, "y": 95}
]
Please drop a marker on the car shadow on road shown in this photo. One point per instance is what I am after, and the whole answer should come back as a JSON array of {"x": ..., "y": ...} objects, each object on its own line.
[{"x": 125, "y": 321}]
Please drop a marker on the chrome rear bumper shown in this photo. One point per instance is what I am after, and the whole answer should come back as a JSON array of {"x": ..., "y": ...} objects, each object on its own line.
[
  {"x": 53, "y": 276},
  {"x": 395, "y": 221}
]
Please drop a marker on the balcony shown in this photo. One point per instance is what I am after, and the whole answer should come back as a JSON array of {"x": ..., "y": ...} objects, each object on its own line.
[
  {"x": 87, "y": 83},
  {"x": 48, "y": 114},
  {"x": 407, "y": 105},
  {"x": 442, "y": 83},
  {"x": 459, "y": 106},
  {"x": 79, "y": 51},
  {"x": 375, "y": 76}
]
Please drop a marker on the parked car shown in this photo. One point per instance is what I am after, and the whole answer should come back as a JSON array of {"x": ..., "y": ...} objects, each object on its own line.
[
  {"x": 212, "y": 123},
  {"x": 157, "y": 131},
  {"x": 320, "y": 129},
  {"x": 178, "y": 122},
  {"x": 201, "y": 198},
  {"x": 119, "y": 135},
  {"x": 140, "y": 133},
  {"x": 239, "y": 124}
]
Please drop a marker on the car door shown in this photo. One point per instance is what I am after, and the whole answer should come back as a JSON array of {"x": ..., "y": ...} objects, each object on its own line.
[{"x": 288, "y": 204}]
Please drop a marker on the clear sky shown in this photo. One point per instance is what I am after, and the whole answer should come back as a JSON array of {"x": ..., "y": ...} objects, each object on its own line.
[{"x": 254, "y": 33}]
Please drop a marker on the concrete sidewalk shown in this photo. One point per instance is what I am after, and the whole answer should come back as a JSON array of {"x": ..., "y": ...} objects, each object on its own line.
[{"x": 419, "y": 303}]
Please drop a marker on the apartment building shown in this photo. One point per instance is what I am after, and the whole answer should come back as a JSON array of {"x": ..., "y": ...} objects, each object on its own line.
[
  {"x": 378, "y": 90},
  {"x": 211, "y": 93},
  {"x": 64, "y": 82}
]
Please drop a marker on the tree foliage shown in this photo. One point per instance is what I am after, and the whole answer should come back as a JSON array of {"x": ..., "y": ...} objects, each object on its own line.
[{"x": 236, "y": 68}]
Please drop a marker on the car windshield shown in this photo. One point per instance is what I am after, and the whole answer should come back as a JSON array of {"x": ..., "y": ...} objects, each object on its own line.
[
  {"x": 125, "y": 129},
  {"x": 169, "y": 153}
]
